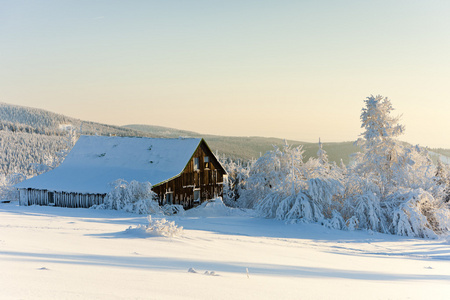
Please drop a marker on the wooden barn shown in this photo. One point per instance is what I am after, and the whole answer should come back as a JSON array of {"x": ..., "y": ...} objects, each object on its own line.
[{"x": 182, "y": 171}]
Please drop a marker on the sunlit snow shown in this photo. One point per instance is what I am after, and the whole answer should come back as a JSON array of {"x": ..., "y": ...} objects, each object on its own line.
[{"x": 222, "y": 253}]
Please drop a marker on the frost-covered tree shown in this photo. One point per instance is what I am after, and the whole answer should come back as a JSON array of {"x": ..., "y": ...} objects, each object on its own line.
[
  {"x": 386, "y": 161},
  {"x": 289, "y": 189},
  {"x": 322, "y": 154},
  {"x": 396, "y": 191},
  {"x": 236, "y": 180},
  {"x": 442, "y": 176},
  {"x": 278, "y": 170},
  {"x": 381, "y": 149},
  {"x": 442, "y": 180}
]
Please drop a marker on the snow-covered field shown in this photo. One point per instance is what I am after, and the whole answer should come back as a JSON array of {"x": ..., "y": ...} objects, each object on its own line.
[{"x": 62, "y": 253}]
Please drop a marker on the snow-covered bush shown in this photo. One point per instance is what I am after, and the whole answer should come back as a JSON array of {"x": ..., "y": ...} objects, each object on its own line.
[
  {"x": 325, "y": 194},
  {"x": 289, "y": 208},
  {"x": 299, "y": 207},
  {"x": 365, "y": 212},
  {"x": 135, "y": 197},
  {"x": 268, "y": 206},
  {"x": 215, "y": 208},
  {"x": 173, "y": 209},
  {"x": 418, "y": 214},
  {"x": 160, "y": 227},
  {"x": 337, "y": 222}
]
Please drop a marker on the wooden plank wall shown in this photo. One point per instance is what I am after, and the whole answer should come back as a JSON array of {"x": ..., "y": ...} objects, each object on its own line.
[{"x": 61, "y": 199}]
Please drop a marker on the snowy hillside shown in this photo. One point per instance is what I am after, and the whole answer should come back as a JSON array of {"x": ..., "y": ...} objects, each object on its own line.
[
  {"x": 50, "y": 123},
  {"x": 57, "y": 253}
]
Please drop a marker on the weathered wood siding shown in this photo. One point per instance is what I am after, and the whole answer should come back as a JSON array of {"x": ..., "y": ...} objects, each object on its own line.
[
  {"x": 63, "y": 199},
  {"x": 207, "y": 180}
]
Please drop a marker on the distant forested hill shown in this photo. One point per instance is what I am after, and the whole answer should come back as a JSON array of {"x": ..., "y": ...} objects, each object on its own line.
[
  {"x": 19, "y": 118},
  {"x": 252, "y": 147}
]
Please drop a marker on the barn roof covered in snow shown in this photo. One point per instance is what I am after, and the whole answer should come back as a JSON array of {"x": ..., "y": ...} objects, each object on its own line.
[{"x": 97, "y": 161}]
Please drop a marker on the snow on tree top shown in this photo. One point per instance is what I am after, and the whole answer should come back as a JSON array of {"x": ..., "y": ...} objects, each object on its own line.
[{"x": 96, "y": 161}]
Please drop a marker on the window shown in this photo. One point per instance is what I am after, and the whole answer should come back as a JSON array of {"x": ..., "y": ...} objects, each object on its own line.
[
  {"x": 197, "y": 196},
  {"x": 169, "y": 198},
  {"x": 196, "y": 163},
  {"x": 206, "y": 161}
]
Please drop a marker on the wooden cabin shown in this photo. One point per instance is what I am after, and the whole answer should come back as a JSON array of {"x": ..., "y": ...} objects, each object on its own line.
[{"x": 182, "y": 171}]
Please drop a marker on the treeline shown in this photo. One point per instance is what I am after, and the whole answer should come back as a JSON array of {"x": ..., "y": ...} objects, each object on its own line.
[
  {"x": 30, "y": 154},
  {"x": 18, "y": 127}
]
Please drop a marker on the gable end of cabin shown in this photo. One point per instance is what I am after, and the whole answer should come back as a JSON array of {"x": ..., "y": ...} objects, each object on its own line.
[{"x": 201, "y": 180}]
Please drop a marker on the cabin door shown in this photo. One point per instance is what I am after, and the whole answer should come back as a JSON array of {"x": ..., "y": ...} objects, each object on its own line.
[{"x": 51, "y": 198}]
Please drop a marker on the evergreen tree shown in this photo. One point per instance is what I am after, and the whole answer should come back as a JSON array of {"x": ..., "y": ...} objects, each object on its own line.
[
  {"x": 381, "y": 149},
  {"x": 443, "y": 180},
  {"x": 322, "y": 154}
]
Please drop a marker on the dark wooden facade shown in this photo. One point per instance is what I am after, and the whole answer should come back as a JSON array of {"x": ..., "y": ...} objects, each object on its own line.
[{"x": 201, "y": 180}]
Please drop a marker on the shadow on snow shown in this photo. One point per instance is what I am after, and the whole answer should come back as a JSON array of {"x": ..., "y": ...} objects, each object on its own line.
[{"x": 182, "y": 265}]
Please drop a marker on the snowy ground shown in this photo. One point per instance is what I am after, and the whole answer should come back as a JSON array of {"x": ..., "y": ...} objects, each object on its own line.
[{"x": 61, "y": 253}]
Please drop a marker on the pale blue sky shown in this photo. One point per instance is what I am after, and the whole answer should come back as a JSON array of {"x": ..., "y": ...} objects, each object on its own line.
[{"x": 289, "y": 69}]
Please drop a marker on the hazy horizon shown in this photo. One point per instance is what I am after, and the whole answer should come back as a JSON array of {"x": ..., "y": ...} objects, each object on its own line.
[{"x": 292, "y": 69}]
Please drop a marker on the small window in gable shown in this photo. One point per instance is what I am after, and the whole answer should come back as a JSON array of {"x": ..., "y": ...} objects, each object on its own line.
[
  {"x": 196, "y": 163},
  {"x": 206, "y": 161}
]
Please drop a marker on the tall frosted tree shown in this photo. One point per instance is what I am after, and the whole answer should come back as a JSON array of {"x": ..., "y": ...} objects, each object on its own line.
[{"x": 379, "y": 140}]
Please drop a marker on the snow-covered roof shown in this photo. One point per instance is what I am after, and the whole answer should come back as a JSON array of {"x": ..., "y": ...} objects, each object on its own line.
[{"x": 96, "y": 161}]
